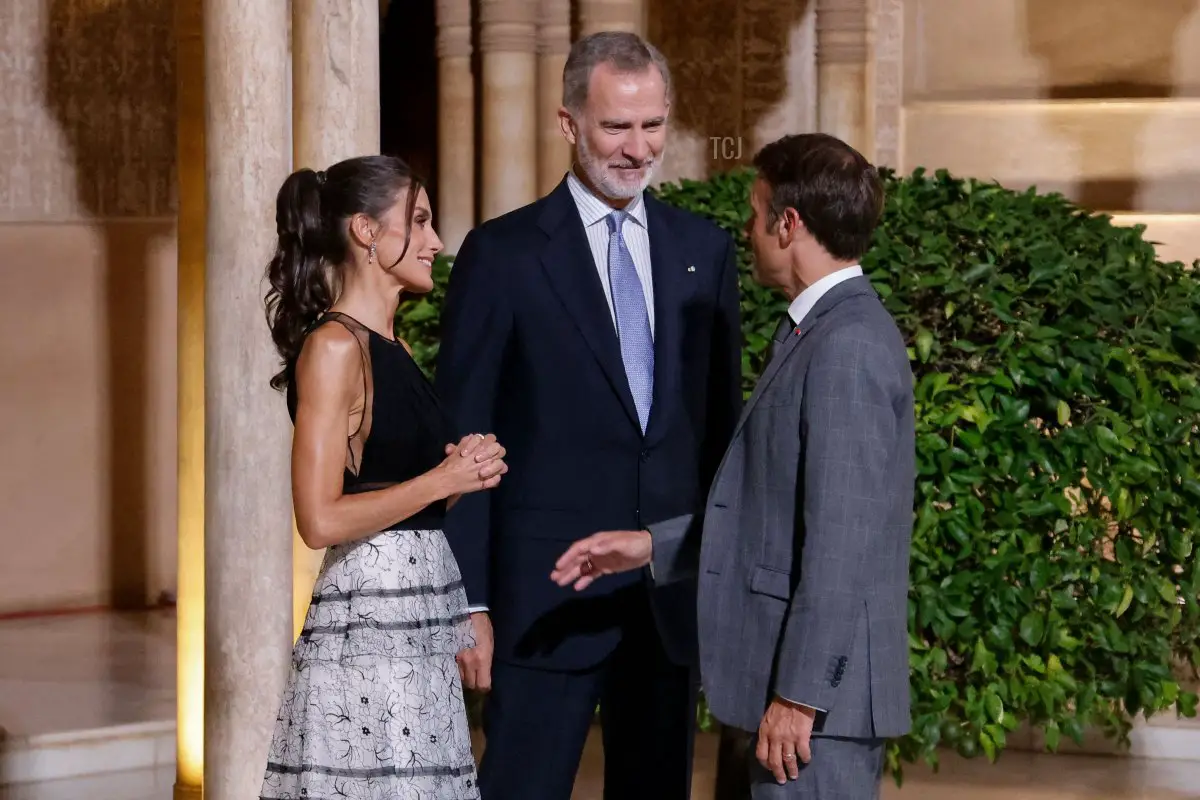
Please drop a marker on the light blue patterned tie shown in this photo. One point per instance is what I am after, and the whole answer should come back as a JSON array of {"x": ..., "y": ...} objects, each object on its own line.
[{"x": 633, "y": 319}]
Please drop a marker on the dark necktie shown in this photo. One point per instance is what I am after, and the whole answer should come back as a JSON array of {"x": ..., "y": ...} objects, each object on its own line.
[{"x": 782, "y": 330}]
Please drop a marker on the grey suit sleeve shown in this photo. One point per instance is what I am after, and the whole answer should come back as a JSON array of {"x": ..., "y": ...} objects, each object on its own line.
[
  {"x": 849, "y": 431},
  {"x": 676, "y": 553}
]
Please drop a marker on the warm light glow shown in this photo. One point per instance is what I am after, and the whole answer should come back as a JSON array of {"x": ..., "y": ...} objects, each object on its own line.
[
  {"x": 305, "y": 565},
  {"x": 189, "y": 736}
]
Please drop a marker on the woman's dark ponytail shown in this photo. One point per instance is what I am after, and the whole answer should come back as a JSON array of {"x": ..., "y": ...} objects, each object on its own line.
[
  {"x": 300, "y": 292},
  {"x": 310, "y": 217}
]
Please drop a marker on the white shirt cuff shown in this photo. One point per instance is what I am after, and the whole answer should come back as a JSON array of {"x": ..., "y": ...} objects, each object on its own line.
[{"x": 806, "y": 705}]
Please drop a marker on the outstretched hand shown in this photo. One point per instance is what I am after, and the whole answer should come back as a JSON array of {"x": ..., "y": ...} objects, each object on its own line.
[{"x": 602, "y": 554}]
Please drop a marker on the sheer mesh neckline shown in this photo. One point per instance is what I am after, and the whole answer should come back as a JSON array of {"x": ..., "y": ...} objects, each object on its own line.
[{"x": 333, "y": 315}]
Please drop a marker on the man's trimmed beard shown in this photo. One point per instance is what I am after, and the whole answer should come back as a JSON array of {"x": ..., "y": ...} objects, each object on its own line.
[{"x": 598, "y": 172}]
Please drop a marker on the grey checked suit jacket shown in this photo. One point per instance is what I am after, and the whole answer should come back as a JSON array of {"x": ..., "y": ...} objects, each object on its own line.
[{"x": 802, "y": 550}]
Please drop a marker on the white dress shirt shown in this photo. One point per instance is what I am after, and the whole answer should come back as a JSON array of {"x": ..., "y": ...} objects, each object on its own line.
[
  {"x": 808, "y": 298},
  {"x": 594, "y": 212}
]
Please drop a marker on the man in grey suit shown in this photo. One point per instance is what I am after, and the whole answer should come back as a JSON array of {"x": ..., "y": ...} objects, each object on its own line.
[{"x": 802, "y": 547}]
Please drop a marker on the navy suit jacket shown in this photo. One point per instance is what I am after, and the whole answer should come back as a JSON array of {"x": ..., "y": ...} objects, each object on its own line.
[{"x": 529, "y": 352}]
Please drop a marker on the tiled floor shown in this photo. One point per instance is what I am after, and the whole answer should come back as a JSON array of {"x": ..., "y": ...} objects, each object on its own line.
[{"x": 79, "y": 673}]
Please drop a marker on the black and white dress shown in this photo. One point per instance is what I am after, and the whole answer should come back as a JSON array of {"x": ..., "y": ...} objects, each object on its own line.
[{"x": 373, "y": 707}]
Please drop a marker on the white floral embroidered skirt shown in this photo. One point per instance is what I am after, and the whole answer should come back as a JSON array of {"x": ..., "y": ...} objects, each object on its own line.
[{"x": 373, "y": 707}]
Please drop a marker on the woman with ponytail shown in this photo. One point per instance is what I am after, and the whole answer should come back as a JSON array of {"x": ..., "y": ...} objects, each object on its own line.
[{"x": 373, "y": 707}]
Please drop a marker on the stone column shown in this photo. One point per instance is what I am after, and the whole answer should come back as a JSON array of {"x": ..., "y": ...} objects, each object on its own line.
[
  {"x": 189, "y": 605},
  {"x": 335, "y": 116},
  {"x": 335, "y": 80},
  {"x": 248, "y": 514},
  {"x": 842, "y": 53},
  {"x": 885, "y": 89},
  {"x": 456, "y": 124},
  {"x": 612, "y": 15},
  {"x": 553, "y": 44},
  {"x": 508, "y": 43}
]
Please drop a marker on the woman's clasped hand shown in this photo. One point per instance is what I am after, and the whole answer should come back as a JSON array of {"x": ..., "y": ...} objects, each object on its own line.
[{"x": 475, "y": 463}]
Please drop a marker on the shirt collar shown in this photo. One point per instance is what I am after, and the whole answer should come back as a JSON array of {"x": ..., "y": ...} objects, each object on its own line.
[
  {"x": 808, "y": 298},
  {"x": 593, "y": 209}
]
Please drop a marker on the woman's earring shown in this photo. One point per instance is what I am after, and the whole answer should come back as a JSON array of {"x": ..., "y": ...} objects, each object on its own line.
[{"x": 371, "y": 253}]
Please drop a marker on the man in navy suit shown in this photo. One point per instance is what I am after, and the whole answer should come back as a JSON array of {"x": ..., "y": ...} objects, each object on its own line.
[{"x": 596, "y": 332}]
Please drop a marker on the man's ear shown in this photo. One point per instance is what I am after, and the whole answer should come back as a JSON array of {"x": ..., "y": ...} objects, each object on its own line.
[
  {"x": 566, "y": 124},
  {"x": 791, "y": 227}
]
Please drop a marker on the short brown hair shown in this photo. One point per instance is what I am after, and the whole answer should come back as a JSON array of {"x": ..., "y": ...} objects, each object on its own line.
[{"x": 836, "y": 192}]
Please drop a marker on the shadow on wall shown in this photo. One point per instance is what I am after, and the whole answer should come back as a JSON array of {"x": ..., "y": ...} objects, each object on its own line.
[
  {"x": 110, "y": 86},
  {"x": 1109, "y": 50},
  {"x": 728, "y": 63}
]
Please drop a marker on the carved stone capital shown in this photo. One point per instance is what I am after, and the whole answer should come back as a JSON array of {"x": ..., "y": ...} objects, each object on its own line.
[
  {"x": 453, "y": 29},
  {"x": 453, "y": 13},
  {"x": 842, "y": 31},
  {"x": 554, "y": 27},
  {"x": 508, "y": 26}
]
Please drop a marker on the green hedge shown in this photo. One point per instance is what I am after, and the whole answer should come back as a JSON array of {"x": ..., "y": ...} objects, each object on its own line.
[{"x": 1058, "y": 491}]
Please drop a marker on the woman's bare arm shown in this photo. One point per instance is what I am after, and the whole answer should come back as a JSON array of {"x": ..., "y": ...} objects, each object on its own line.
[{"x": 328, "y": 373}]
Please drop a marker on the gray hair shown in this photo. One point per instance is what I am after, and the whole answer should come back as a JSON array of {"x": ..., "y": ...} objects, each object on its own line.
[{"x": 624, "y": 52}]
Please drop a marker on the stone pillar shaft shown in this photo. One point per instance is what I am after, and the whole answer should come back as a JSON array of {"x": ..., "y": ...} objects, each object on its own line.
[
  {"x": 456, "y": 124},
  {"x": 335, "y": 80},
  {"x": 612, "y": 15},
  {"x": 189, "y": 607},
  {"x": 843, "y": 48},
  {"x": 508, "y": 43},
  {"x": 553, "y": 44},
  {"x": 248, "y": 514},
  {"x": 335, "y": 116}
]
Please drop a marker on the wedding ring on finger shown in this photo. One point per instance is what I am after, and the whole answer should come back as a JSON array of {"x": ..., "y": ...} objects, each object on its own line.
[
  {"x": 789, "y": 757},
  {"x": 588, "y": 566}
]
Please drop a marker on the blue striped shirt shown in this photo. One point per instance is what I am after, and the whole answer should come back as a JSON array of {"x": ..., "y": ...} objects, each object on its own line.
[{"x": 594, "y": 211}]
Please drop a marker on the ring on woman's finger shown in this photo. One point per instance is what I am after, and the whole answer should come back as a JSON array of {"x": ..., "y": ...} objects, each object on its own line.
[{"x": 789, "y": 757}]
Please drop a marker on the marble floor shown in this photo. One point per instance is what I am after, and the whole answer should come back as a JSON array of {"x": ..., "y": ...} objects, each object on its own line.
[
  {"x": 72, "y": 674},
  {"x": 1016, "y": 776}
]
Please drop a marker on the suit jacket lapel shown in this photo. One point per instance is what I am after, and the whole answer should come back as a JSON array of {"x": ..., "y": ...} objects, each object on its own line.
[
  {"x": 668, "y": 268},
  {"x": 847, "y": 289},
  {"x": 567, "y": 261}
]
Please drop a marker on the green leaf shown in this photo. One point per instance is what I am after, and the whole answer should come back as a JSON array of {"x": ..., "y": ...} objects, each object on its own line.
[
  {"x": 1053, "y": 736},
  {"x": 924, "y": 345},
  {"x": 989, "y": 746},
  {"x": 1063, "y": 412},
  {"x": 995, "y": 708},
  {"x": 1126, "y": 599},
  {"x": 1033, "y": 628}
]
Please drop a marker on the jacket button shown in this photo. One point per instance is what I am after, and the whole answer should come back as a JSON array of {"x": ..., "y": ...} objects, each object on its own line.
[{"x": 645, "y": 455}]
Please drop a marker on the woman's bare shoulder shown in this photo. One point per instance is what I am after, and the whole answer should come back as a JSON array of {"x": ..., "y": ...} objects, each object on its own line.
[{"x": 330, "y": 353}]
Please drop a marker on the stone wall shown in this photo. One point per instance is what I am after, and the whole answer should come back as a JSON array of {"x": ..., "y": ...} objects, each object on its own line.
[
  {"x": 742, "y": 74},
  {"x": 87, "y": 302}
]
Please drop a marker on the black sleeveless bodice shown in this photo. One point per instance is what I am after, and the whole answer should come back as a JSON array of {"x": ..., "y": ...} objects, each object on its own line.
[{"x": 404, "y": 430}]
